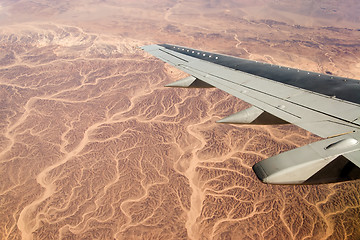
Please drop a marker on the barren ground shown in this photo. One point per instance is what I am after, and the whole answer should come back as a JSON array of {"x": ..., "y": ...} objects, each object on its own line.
[{"x": 92, "y": 146}]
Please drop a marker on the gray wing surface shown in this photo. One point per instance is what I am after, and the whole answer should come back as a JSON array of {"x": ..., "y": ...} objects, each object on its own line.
[{"x": 325, "y": 105}]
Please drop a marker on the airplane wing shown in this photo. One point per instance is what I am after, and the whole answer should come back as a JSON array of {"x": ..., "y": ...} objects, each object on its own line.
[{"x": 325, "y": 105}]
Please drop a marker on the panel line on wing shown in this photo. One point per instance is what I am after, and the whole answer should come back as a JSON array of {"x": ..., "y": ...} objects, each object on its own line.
[
  {"x": 173, "y": 55},
  {"x": 259, "y": 99},
  {"x": 261, "y": 77},
  {"x": 276, "y": 97},
  {"x": 344, "y": 88}
]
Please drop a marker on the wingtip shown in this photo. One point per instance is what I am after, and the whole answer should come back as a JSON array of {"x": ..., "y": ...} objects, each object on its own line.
[{"x": 151, "y": 47}]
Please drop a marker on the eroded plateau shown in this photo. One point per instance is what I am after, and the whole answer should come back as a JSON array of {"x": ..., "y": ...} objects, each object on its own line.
[{"x": 92, "y": 146}]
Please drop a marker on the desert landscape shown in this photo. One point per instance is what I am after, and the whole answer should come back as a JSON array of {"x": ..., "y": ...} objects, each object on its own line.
[{"x": 93, "y": 146}]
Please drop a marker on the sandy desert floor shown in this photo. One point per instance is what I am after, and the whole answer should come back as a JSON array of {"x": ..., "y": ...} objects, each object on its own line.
[{"x": 92, "y": 146}]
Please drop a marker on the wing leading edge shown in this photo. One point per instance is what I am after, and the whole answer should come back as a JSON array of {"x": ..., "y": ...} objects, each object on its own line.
[{"x": 325, "y": 105}]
